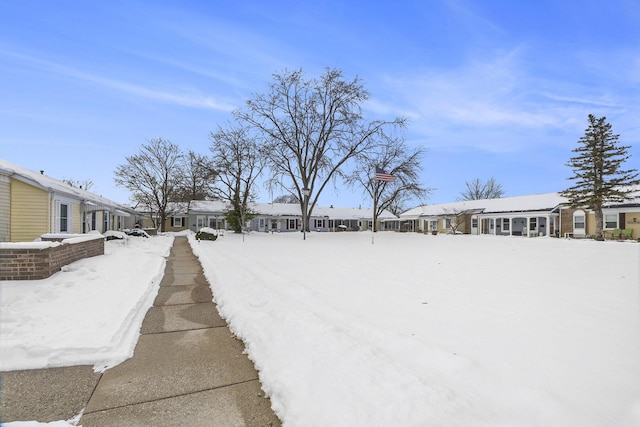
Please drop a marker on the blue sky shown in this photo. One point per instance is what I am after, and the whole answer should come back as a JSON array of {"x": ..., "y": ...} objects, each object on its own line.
[{"x": 490, "y": 88}]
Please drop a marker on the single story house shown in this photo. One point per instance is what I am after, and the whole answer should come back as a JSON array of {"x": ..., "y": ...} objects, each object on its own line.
[
  {"x": 546, "y": 214},
  {"x": 287, "y": 217},
  {"x": 272, "y": 217},
  {"x": 177, "y": 217},
  {"x": 33, "y": 204}
]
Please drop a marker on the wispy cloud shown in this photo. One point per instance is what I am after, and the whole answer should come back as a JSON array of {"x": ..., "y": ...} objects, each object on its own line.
[
  {"x": 249, "y": 52},
  {"x": 184, "y": 98},
  {"x": 576, "y": 100},
  {"x": 490, "y": 104}
]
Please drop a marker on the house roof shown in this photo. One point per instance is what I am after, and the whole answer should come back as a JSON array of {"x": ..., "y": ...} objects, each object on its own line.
[
  {"x": 351, "y": 213},
  {"x": 289, "y": 209},
  {"x": 207, "y": 206},
  {"x": 47, "y": 183},
  {"x": 530, "y": 203}
]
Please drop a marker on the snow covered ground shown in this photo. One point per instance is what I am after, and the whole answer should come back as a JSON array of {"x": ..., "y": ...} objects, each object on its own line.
[
  {"x": 418, "y": 330},
  {"x": 88, "y": 313},
  {"x": 412, "y": 330}
]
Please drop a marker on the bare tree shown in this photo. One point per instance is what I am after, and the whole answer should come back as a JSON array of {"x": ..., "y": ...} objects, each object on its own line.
[
  {"x": 238, "y": 161},
  {"x": 286, "y": 198},
  {"x": 392, "y": 156},
  {"x": 311, "y": 128},
  {"x": 86, "y": 184},
  {"x": 455, "y": 219},
  {"x": 480, "y": 190},
  {"x": 198, "y": 178},
  {"x": 153, "y": 176}
]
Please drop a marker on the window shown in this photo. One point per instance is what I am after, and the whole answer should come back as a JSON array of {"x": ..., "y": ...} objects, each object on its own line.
[
  {"x": 434, "y": 225},
  {"x": 474, "y": 222},
  {"x": 319, "y": 223},
  {"x": 105, "y": 221},
  {"x": 177, "y": 221},
  {"x": 579, "y": 222},
  {"x": 291, "y": 224},
  {"x": 505, "y": 224},
  {"x": 611, "y": 221},
  {"x": 64, "y": 218},
  {"x": 447, "y": 223},
  {"x": 533, "y": 222}
]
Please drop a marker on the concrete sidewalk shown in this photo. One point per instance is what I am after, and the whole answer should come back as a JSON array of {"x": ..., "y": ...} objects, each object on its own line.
[{"x": 187, "y": 368}]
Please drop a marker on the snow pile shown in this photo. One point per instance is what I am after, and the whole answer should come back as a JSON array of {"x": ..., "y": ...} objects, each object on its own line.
[
  {"x": 209, "y": 230},
  {"x": 116, "y": 234},
  {"x": 29, "y": 245},
  {"x": 88, "y": 313},
  {"x": 435, "y": 330}
]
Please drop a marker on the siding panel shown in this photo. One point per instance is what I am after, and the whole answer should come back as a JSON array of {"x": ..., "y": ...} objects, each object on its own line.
[
  {"x": 5, "y": 208},
  {"x": 29, "y": 212},
  {"x": 76, "y": 219}
]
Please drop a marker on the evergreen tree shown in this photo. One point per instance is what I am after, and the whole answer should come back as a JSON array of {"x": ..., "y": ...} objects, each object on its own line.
[{"x": 598, "y": 174}]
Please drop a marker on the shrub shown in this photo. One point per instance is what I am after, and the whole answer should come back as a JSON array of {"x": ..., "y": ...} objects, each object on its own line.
[
  {"x": 136, "y": 232},
  {"x": 114, "y": 235},
  {"x": 206, "y": 235}
]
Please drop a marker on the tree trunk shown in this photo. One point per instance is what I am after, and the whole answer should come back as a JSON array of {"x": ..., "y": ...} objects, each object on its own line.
[{"x": 599, "y": 218}]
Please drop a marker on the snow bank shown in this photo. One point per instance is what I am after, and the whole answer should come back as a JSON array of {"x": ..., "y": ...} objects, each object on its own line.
[
  {"x": 88, "y": 313},
  {"x": 421, "y": 330}
]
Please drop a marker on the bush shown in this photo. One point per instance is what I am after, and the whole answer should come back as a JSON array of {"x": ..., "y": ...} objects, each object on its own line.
[
  {"x": 114, "y": 235},
  {"x": 136, "y": 232},
  {"x": 206, "y": 235}
]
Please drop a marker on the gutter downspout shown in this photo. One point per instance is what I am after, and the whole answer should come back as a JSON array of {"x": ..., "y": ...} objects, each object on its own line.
[{"x": 52, "y": 219}]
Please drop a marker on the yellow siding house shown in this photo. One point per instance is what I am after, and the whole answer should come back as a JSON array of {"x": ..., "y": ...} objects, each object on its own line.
[{"x": 33, "y": 204}]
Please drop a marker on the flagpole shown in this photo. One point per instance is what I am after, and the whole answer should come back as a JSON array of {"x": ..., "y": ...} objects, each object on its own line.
[{"x": 373, "y": 204}]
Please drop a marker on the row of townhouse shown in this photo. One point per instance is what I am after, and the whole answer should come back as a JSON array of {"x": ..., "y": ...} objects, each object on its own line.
[
  {"x": 534, "y": 215},
  {"x": 33, "y": 204},
  {"x": 271, "y": 217}
]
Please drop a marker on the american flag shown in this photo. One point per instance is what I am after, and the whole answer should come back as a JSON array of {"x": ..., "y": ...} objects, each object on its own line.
[{"x": 384, "y": 176}]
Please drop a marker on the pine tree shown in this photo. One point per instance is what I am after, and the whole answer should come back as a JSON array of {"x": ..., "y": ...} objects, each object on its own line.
[{"x": 598, "y": 174}]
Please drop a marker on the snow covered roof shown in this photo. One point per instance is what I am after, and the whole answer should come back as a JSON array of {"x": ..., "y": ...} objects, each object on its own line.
[
  {"x": 530, "y": 203},
  {"x": 353, "y": 213},
  {"x": 289, "y": 209},
  {"x": 207, "y": 206},
  {"x": 47, "y": 183}
]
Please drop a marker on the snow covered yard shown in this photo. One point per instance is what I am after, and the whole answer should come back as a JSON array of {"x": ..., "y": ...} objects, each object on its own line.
[
  {"x": 440, "y": 330},
  {"x": 88, "y": 313},
  {"x": 413, "y": 330}
]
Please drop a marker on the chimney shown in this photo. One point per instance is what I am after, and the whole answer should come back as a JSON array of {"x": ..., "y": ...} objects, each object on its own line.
[{"x": 41, "y": 172}]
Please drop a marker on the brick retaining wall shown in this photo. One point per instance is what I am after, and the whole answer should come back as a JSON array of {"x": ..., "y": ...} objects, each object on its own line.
[{"x": 40, "y": 263}]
